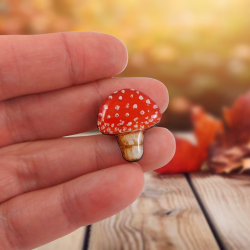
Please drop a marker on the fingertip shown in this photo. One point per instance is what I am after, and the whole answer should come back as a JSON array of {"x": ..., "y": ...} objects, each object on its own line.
[
  {"x": 95, "y": 55},
  {"x": 132, "y": 176},
  {"x": 160, "y": 91},
  {"x": 164, "y": 95},
  {"x": 117, "y": 51},
  {"x": 159, "y": 148},
  {"x": 122, "y": 57},
  {"x": 115, "y": 189}
]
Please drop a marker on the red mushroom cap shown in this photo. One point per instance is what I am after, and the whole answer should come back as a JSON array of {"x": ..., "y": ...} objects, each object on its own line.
[{"x": 126, "y": 111}]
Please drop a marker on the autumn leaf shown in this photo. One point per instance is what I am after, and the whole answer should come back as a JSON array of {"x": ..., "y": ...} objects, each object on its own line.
[
  {"x": 237, "y": 120},
  {"x": 231, "y": 150},
  {"x": 190, "y": 156},
  {"x": 235, "y": 159},
  {"x": 186, "y": 158}
]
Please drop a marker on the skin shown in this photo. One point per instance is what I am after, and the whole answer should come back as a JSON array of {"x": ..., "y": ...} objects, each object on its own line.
[{"x": 52, "y": 86}]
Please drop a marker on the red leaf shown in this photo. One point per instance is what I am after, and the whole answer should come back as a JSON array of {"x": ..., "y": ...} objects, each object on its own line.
[
  {"x": 189, "y": 157},
  {"x": 186, "y": 158}
]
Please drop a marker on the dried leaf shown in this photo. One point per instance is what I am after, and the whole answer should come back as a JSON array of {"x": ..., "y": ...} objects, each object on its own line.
[
  {"x": 231, "y": 150},
  {"x": 235, "y": 158},
  {"x": 189, "y": 157},
  {"x": 245, "y": 165}
]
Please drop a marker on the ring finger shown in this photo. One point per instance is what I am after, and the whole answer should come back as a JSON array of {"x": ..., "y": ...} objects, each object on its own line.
[{"x": 36, "y": 165}]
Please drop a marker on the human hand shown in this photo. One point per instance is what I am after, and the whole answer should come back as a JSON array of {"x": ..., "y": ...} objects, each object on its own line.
[{"x": 52, "y": 86}]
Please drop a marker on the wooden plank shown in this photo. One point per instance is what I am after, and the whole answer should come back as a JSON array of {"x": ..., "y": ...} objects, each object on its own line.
[
  {"x": 226, "y": 200},
  {"x": 165, "y": 216},
  {"x": 72, "y": 241}
]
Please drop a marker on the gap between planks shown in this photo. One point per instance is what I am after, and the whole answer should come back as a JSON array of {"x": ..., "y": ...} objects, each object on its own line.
[
  {"x": 165, "y": 216},
  {"x": 226, "y": 200},
  {"x": 210, "y": 223}
]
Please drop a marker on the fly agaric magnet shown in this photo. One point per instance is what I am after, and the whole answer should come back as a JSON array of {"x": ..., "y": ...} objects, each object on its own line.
[{"x": 127, "y": 114}]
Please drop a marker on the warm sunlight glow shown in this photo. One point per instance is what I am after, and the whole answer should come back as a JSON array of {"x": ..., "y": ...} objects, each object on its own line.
[{"x": 198, "y": 48}]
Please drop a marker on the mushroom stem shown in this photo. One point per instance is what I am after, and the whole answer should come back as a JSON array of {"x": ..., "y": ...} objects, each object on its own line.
[{"x": 131, "y": 145}]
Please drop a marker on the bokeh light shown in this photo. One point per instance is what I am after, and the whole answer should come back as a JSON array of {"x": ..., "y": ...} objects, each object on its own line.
[{"x": 199, "y": 49}]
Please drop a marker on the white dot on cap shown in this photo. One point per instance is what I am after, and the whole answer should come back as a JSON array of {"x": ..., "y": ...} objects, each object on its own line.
[
  {"x": 153, "y": 116},
  {"x": 117, "y": 107},
  {"x": 127, "y": 106},
  {"x": 135, "y": 106},
  {"x": 116, "y": 115},
  {"x": 127, "y": 114},
  {"x": 120, "y": 97},
  {"x": 148, "y": 101},
  {"x": 129, "y": 123},
  {"x": 155, "y": 107},
  {"x": 132, "y": 89},
  {"x": 105, "y": 106},
  {"x": 123, "y": 91},
  {"x": 137, "y": 92},
  {"x": 108, "y": 116},
  {"x": 131, "y": 96},
  {"x": 142, "y": 112},
  {"x": 150, "y": 120},
  {"x": 141, "y": 97},
  {"x": 136, "y": 126},
  {"x": 112, "y": 125},
  {"x": 100, "y": 114},
  {"x": 110, "y": 97},
  {"x": 136, "y": 118},
  {"x": 115, "y": 92}
]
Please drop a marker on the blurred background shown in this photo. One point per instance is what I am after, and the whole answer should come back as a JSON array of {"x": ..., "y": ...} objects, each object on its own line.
[{"x": 199, "y": 49}]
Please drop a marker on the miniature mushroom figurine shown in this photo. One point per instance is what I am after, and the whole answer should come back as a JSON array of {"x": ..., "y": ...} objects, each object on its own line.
[{"x": 127, "y": 114}]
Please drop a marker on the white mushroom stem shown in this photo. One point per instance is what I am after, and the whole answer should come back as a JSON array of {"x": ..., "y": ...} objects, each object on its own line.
[{"x": 131, "y": 145}]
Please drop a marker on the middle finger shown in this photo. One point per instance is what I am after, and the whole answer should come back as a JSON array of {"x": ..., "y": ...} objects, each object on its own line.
[{"x": 67, "y": 111}]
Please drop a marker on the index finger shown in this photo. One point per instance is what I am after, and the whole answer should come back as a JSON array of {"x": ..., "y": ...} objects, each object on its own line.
[{"x": 41, "y": 63}]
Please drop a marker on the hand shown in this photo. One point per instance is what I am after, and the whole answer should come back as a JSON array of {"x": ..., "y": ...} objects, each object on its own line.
[{"x": 52, "y": 86}]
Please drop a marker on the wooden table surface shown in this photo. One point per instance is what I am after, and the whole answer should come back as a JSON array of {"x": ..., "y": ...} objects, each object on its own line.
[
  {"x": 184, "y": 211},
  {"x": 194, "y": 211}
]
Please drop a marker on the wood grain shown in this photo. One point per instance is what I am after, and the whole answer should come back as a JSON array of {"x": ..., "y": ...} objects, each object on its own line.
[
  {"x": 73, "y": 241},
  {"x": 165, "y": 216},
  {"x": 227, "y": 202}
]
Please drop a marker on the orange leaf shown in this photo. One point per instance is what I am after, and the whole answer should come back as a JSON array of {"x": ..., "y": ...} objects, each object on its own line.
[{"x": 206, "y": 127}]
